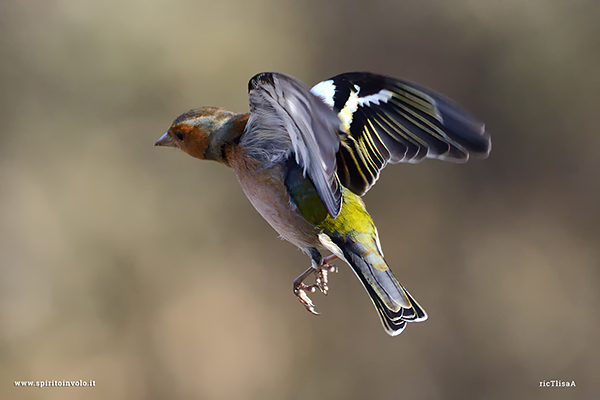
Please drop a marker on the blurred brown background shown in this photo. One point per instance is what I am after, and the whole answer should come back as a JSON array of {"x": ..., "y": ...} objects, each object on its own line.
[{"x": 149, "y": 271}]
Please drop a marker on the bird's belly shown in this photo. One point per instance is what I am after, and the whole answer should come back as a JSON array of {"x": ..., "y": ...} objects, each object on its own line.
[{"x": 265, "y": 189}]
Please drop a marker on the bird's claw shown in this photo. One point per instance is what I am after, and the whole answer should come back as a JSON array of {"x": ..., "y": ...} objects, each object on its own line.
[
  {"x": 300, "y": 290},
  {"x": 321, "y": 282}
]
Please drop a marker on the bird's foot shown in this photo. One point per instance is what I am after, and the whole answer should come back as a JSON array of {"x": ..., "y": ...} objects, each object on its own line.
[
  {"x": 321, "y": 282},
  {"x": 300, "y": 290},
  {"x": 322, "y": 273}
]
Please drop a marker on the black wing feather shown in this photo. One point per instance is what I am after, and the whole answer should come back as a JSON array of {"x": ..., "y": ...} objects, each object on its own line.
[{"x": 390, "y": 121}]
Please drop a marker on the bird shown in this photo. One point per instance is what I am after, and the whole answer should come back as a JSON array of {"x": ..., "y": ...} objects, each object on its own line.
[{"x": 304, "y": 157}]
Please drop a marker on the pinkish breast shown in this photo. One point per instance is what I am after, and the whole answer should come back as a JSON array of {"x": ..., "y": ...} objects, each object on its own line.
[{"x": 266, "y": 191}]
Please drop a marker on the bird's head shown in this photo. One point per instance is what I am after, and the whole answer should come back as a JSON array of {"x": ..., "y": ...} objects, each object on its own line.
[{"x": 203, "y": 132}]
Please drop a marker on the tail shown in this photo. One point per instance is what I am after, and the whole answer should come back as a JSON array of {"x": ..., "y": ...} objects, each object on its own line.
[{"x": 395, "y": 305}]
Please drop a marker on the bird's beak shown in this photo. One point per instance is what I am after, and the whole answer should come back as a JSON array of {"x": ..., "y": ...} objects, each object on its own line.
[{"x": 165, "y": 140}]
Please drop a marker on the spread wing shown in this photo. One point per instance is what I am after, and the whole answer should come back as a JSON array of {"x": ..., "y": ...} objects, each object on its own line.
[
  {"x": 391, "y": 121},
  {"x": 285, "y": 119}
]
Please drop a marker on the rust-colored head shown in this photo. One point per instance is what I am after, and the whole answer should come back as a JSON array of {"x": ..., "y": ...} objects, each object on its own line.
[{"x": 200, "y": 132}]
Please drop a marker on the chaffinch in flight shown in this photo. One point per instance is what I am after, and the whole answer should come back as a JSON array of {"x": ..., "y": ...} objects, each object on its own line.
[{"x": 304, "y": 157}]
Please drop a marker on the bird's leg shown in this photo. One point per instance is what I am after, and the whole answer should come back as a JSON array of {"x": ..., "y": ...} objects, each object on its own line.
[
  {"x": 322, "y": 278},
  {"x": 321, "y": 268}
]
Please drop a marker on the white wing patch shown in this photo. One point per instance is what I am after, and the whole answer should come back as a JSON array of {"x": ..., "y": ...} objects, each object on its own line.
[
  {"x": 325, "y": 91},
  {"x": 383, "y": 96},
  {"x": 354, "y": 101}
]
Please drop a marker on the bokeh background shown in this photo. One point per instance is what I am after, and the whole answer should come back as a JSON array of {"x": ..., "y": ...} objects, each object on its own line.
[{"x": 150, "y": 273}]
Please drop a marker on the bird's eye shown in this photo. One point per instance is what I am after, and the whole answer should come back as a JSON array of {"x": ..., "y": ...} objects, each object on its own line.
[{"x": 179, "y": 135}]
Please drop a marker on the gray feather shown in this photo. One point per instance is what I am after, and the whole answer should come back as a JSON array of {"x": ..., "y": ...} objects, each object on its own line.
[{"x": 285, "y": 119}]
